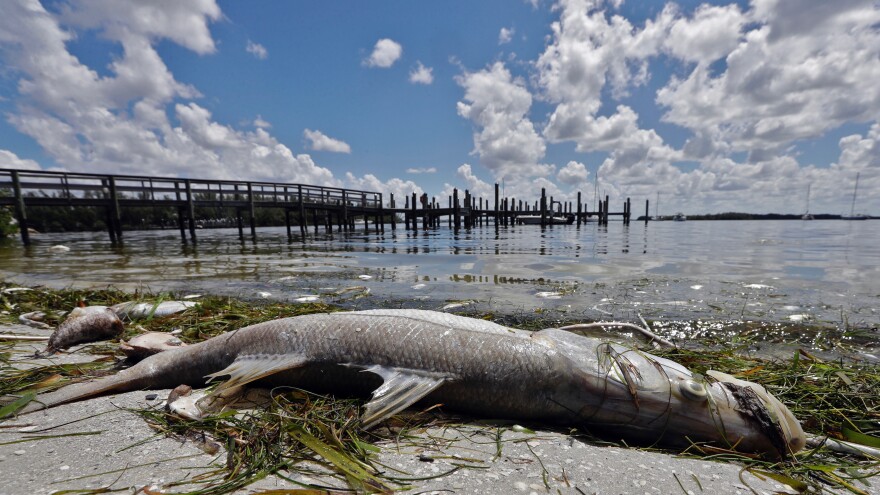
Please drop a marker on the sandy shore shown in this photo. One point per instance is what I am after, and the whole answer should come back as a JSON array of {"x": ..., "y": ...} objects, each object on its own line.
[{"x": 117, "y": 450}]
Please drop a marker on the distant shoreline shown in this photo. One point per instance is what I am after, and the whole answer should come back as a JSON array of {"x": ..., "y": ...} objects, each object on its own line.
[{"x": 751, "y": 216}]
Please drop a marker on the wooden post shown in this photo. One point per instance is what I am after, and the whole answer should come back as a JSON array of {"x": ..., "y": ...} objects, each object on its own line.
[
  {"x": 253, "y": 212},
  {"x": 238, "y": 221},
  {"x": 455, "y": 209},
  {"x": 179, "y": 212},
  {"x": 496, "y": 204},
  {"x": 579, "y": 209},
  {"x": 606, "y": 209},
  {"x": 20, "y": 211},
  {"x": 191, "y": 210},
  {"x": 393, "y": 214},
  {"x": 467, "y": 209},
  {"x": 449, "y": 216},
  {"x": 628, "y": 210},
  {"x": 380, "y": 220},
  {"x": 108, "y": 210},
  {"x": 115, "y": 217},
  {"x": 543, "y": 207},
  {"x": 345, "y": 209},
  {"x": 646, "y": 211},
  {"x": 302, "y": 212},
  {"x": 406, "y": 212},
  {"x": 415, "y": 220}
]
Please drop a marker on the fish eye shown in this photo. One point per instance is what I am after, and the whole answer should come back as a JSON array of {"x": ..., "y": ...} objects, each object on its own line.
[{"x": 693, "y": 390}]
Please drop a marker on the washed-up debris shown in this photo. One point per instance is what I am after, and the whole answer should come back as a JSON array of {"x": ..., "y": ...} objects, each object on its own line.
[
  {"x": 134, "y": 310},
  {"x": 82, "y": 325},
  {"x": 150, "y": 343},
  {"x": 34, "y": 319}
]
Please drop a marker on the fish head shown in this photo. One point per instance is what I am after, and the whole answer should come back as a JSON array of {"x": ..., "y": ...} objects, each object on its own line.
[
  {"x": 717, "y": 408},
  {"x": 650, "y": 399},
  {"x": 760, "y": 409}
]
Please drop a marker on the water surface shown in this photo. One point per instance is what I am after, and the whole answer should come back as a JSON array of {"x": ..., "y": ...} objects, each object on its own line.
[{"x": 817, "y": 272}]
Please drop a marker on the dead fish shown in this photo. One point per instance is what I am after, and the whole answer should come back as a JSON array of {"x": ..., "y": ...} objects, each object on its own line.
[
  {"x": 134, "y": 310},
  {"x": 477, "y": 367},
  {"x": 150, "y": 343},
  {"x": 87, "y": 324},
  {"x": 35, "y": 319}
]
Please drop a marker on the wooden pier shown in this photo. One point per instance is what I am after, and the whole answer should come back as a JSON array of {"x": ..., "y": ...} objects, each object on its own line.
[{"x": 304, "y": 206}]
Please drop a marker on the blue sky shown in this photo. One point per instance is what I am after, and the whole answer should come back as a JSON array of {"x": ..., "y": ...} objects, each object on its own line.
[{"x": 719, "y": 106}]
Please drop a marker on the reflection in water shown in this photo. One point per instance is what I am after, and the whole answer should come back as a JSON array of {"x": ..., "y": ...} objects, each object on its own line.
[{"x": 820, "y": 268}]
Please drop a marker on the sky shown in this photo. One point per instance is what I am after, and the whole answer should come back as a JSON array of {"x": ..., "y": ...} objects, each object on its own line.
[{"x": 709, "y": 106}]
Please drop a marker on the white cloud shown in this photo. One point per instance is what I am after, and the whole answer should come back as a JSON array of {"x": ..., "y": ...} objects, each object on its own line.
[
  {"x": 477, "y": 187},
  {"x": 422, "y": 170},
  {"x": 712, "y": 33},
  {"x": 498, "y": 104},
  {"x": 385, "y": 53},
  {"x": 505, "y": 35},
  {"x": 318, "y": 141},
  {"x": 183, "y": 23},
  {"x": 262, "y": 124},
  {"x": 421, "y": 75},
  {"x": 257, "y": 50},
  {"x": 573, "y": 173},
  {"x": 783, "y": 81},
  {"x": 138, "y": 116},
  {"x": 399, "y": 187},
  {"x": 9, "y": 159}
]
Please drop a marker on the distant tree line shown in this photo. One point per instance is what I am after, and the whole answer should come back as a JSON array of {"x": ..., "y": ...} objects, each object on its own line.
[{"x": 730, "y": 215}]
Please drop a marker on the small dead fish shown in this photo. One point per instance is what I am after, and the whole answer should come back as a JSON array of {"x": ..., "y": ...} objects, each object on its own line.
[
  {"x": 87, "y": 324},
  {"x": 12, "y": 290},
  {"x": 150, "y": 343},
  {"x": 134, "y": 310},
  {"x": 34, "y": 319}
]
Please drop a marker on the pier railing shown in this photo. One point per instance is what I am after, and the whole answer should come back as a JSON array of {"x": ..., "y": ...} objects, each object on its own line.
[
  {"x": 312, "y": 205},
  {"x": 24, "y": 188}
]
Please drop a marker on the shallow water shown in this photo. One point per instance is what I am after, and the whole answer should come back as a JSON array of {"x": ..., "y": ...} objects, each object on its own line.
[{"x": 822, "y": 273}]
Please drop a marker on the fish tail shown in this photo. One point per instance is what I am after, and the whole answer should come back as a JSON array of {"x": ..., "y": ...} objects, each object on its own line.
[{"x": 164, "y": 370}]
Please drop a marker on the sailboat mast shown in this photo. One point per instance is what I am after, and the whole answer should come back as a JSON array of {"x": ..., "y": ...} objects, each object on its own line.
[
  {"x": 852, "y": 209},
  {"x": 808, "y": 197}
]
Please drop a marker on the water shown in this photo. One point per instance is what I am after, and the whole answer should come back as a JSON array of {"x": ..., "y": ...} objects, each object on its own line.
[{"x": 818, "y": 273}]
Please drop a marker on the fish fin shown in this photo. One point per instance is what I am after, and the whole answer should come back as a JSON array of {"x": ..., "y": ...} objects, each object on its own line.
[
  {"x": 401, "y": 389},
  {"x": 248, "y": 368}
]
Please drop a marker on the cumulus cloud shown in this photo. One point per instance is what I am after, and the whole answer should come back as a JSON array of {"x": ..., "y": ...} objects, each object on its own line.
[
  {"x": 498, "y": 103},
  {"x": 257, "y": 50},
  {"x": 783, "y": 80},
  {"x": 318, "y": 141},
  {"x": 573, "y": 173},
  {"x": 9, "y": 159},
  {"x": 422, "y": 170},
  {"x": 421, "y": 75},
  {"x": 400, "y": 188},
  {"x": 137, "y": 116},
  {"x": 477, "y": 187},
  {"x": 385, "y": 53}
]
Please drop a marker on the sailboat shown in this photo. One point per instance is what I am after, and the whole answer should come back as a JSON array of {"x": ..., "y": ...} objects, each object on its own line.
[
  {"x": 807, "y": 215},
  {"x": 852, "y": 214}
]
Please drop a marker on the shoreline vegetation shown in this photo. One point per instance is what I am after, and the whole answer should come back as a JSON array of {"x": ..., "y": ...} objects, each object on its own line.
[{"x": 833, "y": 399}]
